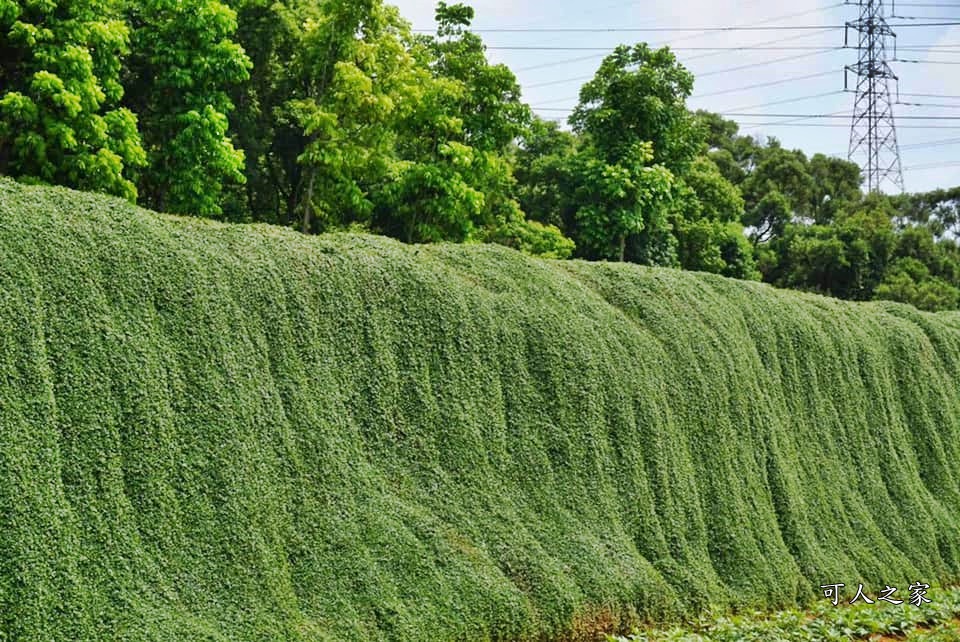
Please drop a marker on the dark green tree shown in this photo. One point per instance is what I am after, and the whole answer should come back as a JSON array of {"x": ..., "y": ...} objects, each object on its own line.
[
  {"x": 847, "y": 259},
  {"x": 909, "y": 281},
  {"x": 784, "y": 171},
  {"x": 836, "y": 186},
  {"x": 939, "y": 210},
  {"x": 357, "y": 82},
  {"x": 639, "y": 95},
  {"x": 707, "y": 223},
  {"x": 269, "y": 32},
  {"x": 768, "y": 219},
  {"x": 455, "y": 179},
  {"x": 615, "y": 201},
  {"x": 490, "y": 105},
  {"x": 543, "y": 172},
  {"x": 183, "y": 64}
]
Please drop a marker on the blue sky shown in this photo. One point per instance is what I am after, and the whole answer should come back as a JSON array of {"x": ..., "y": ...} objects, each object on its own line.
[{"x": 551, "y": 79}]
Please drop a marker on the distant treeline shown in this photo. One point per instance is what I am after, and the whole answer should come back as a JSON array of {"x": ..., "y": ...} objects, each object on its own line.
[{"x": 333, "y": 114}]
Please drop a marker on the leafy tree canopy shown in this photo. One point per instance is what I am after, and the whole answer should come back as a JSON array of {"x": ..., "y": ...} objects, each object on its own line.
[
  {"x": 184, "y": 61},
  {"x": 60, "y": 91}
]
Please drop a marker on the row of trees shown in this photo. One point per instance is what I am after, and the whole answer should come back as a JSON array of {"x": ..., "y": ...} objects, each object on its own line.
[
  {"x": 813, "y": 228},
  {"x": 332, "y": 114},
  {"x": 313, "y": 113}
]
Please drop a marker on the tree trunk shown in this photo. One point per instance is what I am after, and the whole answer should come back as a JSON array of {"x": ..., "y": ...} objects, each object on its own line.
[
  {"x": 623, "y": 247},
  {"x": 308, "y": 205}
]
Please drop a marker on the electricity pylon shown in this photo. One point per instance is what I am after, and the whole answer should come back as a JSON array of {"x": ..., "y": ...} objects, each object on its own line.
[{"x": 873, "y": 132}]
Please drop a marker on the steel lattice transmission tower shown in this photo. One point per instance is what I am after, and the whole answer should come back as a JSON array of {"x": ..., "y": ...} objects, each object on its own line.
[{"x": 873, "y": 132}]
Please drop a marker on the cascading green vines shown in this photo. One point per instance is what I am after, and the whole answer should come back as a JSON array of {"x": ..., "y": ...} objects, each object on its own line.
[{"x": 214, "y": 432}]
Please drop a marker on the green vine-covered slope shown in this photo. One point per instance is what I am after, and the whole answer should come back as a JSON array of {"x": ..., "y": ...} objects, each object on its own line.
[{"x": 213, "y": 432}]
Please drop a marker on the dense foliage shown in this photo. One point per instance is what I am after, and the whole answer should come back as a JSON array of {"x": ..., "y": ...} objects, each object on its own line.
[
  {"x": 327, "y": 115},
  {"x": 182, "y": 63},
  {"x": 224, "y": 432},
  {"x": 814, "y": 230},
  {"x": 60, "y": 91}
]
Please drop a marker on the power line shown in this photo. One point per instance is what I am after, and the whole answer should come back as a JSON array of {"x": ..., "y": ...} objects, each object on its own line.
[
  {"x": 795, "y": 119},
  {"x": 944, "y": 105},
  {"x": 558, "y": 82},
  {"x": 928, "y": 62},
  {"x": 558, "y": 63},
  {"x": 755, "y": 48},
  {"x": 767, "y": 62},
  {"x": 560, "y": 100},
  {"x": 766, "y": 84},
  {"x": 725, "y": 91},
  {"x": 718, "y": 50},
  {"x": 933, "y": 143},
  {"x": 836, "y": 115},
  {"x": 688, "y": 29},
  {"x": 776, "y": 41},
  {"x": 789, "y": 100},
  {"x": 620, "y": 5},
  {"x": 925, "y": 145},
  {"x": 673, "y": 41},
  {"x": 832, "y": 125},
  {"x": 927, "y": 166},
  {"x": 768, "y": 21},
  {"x": 955, "y": 96},
  {"x": 820, "y": 51},
  {"x": 609, "y": 49}
]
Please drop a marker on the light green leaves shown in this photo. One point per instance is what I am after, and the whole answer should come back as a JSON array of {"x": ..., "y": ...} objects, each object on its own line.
[{"x": 58, "y": 118}]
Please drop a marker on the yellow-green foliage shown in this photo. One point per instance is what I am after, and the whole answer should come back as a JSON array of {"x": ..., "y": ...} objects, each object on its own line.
[{"x": 239, "y": 433}]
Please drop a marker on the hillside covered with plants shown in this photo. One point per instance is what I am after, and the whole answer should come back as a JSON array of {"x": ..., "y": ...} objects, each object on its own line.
[{"x": 232, "y": 432}]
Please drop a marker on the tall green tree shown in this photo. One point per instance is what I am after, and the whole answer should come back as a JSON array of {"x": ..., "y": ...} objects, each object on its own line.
[
  {"x": 706, "y": 217},
  {"x": 784, "y": 171},
  {"x": 60, "y": 115},
  {"x": 313, "y": 60},
  {"x": 836, "y": 185},
  {"x": 183, "y": 64},
  {"x": 769, "y": 218},
  {"x": 542, "y": 170},
  {"x": 939, "y": 210},
  {"x": 925, "y": 270},
  {"x": 634, "y": 129},
  {"x": 455, "y": 178},
  {"x": 617, "y": 200},
  {"x": 910, "y": 281},
  {"x": 457, "y": 181},
  {"x": 490, "y": 105},
  {"x": 847, "y": 259},
  {"x": 356, "y": 80},
  {"x": 639, "y": 95},
  {"x": 269, "y": 32}
]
